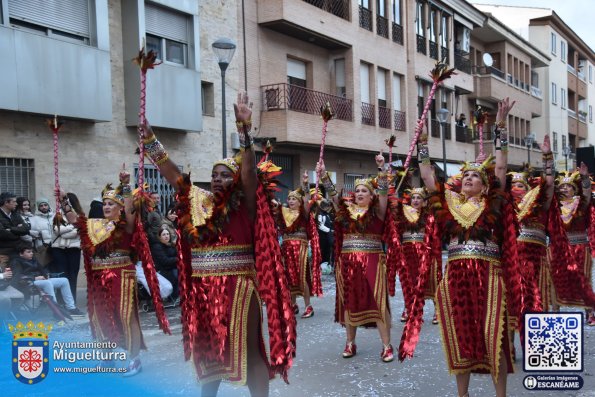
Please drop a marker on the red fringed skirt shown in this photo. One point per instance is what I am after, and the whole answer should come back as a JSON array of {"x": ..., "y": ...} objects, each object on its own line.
[
  {"x": 471, "y": 300},
  {"x": 412, "y": 254},
  {"x": 225, "y": 312},
  {"x": 534, "y": 274},
  {"x": 113, "y": 305},
  {"x": 362, "y": 296},
  {"x": 295, "y": 256},
  {"x": 573, "y": 285}
]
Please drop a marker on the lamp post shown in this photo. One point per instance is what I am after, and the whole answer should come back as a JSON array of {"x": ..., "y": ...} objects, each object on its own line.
[
  {"x": 442, "y": 115},
  {"x": 529, "y": 139},
  {"x": 567, "y": 150},
  {"x": 224, "y": 49}
]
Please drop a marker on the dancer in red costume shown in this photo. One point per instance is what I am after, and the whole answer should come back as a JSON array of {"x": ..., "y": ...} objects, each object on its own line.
[
  {"x": 360, "y": 269},
  {"x": 298, "y": 228},
  {"x": 107, "y": 246},
  {"x": 415, "y": 223},
  {"x": 571, "y": 260},
  {"x": 230, "y": 261},
  {"x": 481, "y": 290}
]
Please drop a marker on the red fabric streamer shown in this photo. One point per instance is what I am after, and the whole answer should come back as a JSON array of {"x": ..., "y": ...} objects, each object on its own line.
[
  {"x": 316, "y": 256},
  {"x": 394, "y": 252}
]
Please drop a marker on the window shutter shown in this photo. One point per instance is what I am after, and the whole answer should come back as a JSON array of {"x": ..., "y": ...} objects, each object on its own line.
[
  {"x": 364, "y": 80},
  {"x": 166, "y": 23},
  {"x": 70, "y": 16}
]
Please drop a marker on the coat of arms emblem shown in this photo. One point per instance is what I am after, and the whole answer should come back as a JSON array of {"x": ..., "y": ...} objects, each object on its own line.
[{"x": 30, "y": 351}]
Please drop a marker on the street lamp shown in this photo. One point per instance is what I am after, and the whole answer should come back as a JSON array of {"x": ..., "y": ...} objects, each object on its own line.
[
  {"x": 567, "y": 150},
  {"x": 442, "y": 115},
  {"x": 529, "y": 139},
  {"x": 224, "y": 49}
]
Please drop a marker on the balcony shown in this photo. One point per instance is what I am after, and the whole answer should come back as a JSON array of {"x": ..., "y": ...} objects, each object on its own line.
[
  {"x": 536, "y": 92},
  {"x": 382, "y": 26},
  {"x": 365, "y": 18},
  {"x": 400, "y": 121},
  {"x": 435, "y": 129},
  {"x": 463, "y": 134},
  {"x": 445, "y": 54},
  {"x": 294, "y": 18},
  {"x": 582, "y": 116},
  {"x": 463, "y": 64},
  {"x": 291, "y": 97},
  {"x": 338, "y": 8},
  {"x": 368, "y": 114},
  {"x": 421, "y": 44},
  {"x": 397, "y": 33},
  {"x": 571, "y": 69},
  {"x": 384, "y": 117},
  {"x": 433, "y": 50},
  {"x": 490, "y": 85}
]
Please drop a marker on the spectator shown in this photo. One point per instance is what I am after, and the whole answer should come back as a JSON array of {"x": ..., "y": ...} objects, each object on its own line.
[
  {"x": 165, "y": 256},
  {"x": 461, "y": 121},
  {"x": 325, "y": 232},
  {"x": 96, "y": 209},
  {"x": 172, "y": 217},
  {"x": 66, "y": 247},
  {"x": 41, "y": 224},
  {"x": 26, "y": 267},
  {"x": 10, "y": 297},
  {"x": 12, "y": 227},
  {"x": 24, "y": 210}
]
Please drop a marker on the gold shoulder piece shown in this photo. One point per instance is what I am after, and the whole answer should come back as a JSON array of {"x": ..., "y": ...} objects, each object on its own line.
[
  {"x": 528, "y": 202},
  {"x": 465, "y": 213},
  {"x": 289, "y": 216},
  {"x": 355, "y": 212},
  {"x": 99, "y": 230},
  {"x": 411, "y": 214},
  {"x": 568, "y": 209},
  {"x": 201, "y": 205}
]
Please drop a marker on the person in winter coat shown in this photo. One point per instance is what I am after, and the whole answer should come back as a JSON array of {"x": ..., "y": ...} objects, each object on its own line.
[
  {"x": 165, "y": 256},
  {"x": 24, "y": 210},
  {"x": 41, "y": 224}
]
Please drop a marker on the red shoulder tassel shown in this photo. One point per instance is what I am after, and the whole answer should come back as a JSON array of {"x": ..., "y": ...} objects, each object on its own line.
[
  {"x": 274, "y": 289},
  {"x": 316, "y": 256},
  {"x": 141, "y": 245}
]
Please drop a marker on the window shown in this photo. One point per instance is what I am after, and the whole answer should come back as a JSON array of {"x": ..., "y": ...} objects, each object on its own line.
[
  {"x": 207, "y": 94},
  {"x": 444, "y": 31},
  {"x": 340, "y": 88},
  {"x": 562, "y": 98},
  {"x": 167, "y": 34},
  {"x": 381, "y": 83},
  {"x": 420, "y": 98},
  {"x": 349, "y": 181},
  {"x": 296, "y": 72},
  {"x": 590, "y": 113},
  {"x": 16, "y": 176},
  {"x": 563, "y": 141},
  {"x": 396, "y": 11},
  {"x": 433, "y": 26},
  {"x": 158, "y": 184},
  {"x": 553, "y": 43},
  {"x": 364, "y": 81},
  {"x": 69, "y": 20},
  {"x": 563, "y": 51},
  {"x": 590, "y": 73},
  {"x": 396, "y": 92},
  {"x": 419, "y": 19},
  {"x": 554, "y": 94},
  {"x": 555, "y": 148},
  {"x": 380, "y": 8}
]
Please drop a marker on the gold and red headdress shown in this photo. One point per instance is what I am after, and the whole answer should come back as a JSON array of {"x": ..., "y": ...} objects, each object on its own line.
[
  {"x": 367, "y": 182},
  {"x": 109, "y": 193},
  {"x": 418, "y": 190},
  {"x": 484, "y": 168},
  {"x": 298, "y": 194},
  {"x": 521, "y": 177},
  {"x": 230, "y": 162},
  {"x": 568, "y": 178}
]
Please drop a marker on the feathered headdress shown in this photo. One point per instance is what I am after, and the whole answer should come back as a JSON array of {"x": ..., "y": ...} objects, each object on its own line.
[
  {"x": 521, "y": 177},
  {"x": 484, "y": 168},
  {"x": 367, "y": 182},
  {"x": 112, "y": 194},
  {"x": 568, "y": 178},
  {"x": 233, "y": 163},
  {"x": 418, "y": 190},
  {"x": 298, "y": 194}
]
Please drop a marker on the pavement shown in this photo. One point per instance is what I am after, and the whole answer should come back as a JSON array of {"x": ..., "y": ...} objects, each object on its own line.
[{"x": 319, "y": 369}]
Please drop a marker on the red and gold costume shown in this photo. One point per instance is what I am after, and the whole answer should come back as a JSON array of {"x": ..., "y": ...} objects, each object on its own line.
[
  {"x": 362, "y": 297},
  {"x": 570, "y": 254},
  {"x": 479, "y": 298},
  {"x": 226, "y": 260},
  {"x": 532, "y": 243},
  {"x": 297, "y": 229},
  {"x": 420, "y": 242}
]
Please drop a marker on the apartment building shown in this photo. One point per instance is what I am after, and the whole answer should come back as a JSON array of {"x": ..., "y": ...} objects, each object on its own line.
[
  {"x": 73, "y": 58},
  {"x": 567, "y": 90}
]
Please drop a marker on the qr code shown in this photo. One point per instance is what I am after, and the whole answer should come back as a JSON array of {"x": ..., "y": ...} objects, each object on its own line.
[{"x": 553, "y": 342}]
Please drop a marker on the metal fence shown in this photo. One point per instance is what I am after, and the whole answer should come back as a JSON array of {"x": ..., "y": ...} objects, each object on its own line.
[
  {"x": 17, "y": 177},
  {"x": 365, "y": 18},
  {"x": 158, "y": 184},
  {"x": 397, "y": 33},
  {"x": 382, "y": 26},
  {"x": 368, "y": 114},
  {"x": 338, "y": 8}
]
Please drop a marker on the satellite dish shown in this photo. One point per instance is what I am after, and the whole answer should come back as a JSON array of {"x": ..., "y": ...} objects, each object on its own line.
[{"x": 487, "y": 60}]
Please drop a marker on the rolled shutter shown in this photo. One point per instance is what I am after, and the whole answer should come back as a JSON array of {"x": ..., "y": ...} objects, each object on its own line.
[
  {"x": 71, "y": 16},
  {"x": 166, "y": 23}
]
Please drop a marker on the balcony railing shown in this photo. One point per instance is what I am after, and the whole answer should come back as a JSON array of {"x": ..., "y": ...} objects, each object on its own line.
[
  {"x": 365, "y": 18},
  {"x": 421, "y": 44},
  {"x": 582, "y": 116},
  {"x": 581, "y": 76},
  {"x": 300, "y": 99},
  {"x": 400, "y": 121},
  {"x": 462, "y": 64},
  {"x": 339, "y": 8},
  {"x": 384, "y": 117},
  {"x": 397, "y": 33},
  {"x": 571, "y": 113},
  {"x": 536, "y": 92},
  {"x": 368, "y": 114},
  {"x": 435, "y": 129},
  {"x": 382, "y": 26},
  {"x": 483, "y": 70},
  {"x": 463, "y": 134},
  {"x": 445, "y": 54},
  {"x": 433, "y": 50},
  {"x": 571, "y": 69}
]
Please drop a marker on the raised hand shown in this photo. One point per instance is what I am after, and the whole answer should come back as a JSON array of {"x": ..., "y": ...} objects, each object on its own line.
[
  {"x": 145, "y": 130},
  {"x": 583, "y": 169},
  {"x": 546, "y": 146},
  {"x": 320, "y": 168},
  {"x": 243, "y": 108},
  {"x": 504, "y": 107},
  {"x": 305, "y": 178},
  {"x": 124, "y": 175},
  {"x": 379, "y": 160}
]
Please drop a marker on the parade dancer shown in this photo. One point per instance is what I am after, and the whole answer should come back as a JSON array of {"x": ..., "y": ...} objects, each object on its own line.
[
  {"x": 415, "y": 223},
  {"x": 107, "y": 246},
  {"x": 298, "y": 228},
  {"x": 481, "y": 289},
  {"x": 360, "y": 268},
  {"x": 230, "y": 261},
  {"x": 571, "y": 260}
]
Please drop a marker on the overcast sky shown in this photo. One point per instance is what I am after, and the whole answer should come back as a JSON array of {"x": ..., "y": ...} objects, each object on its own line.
[{"x": 578, "y": 14}]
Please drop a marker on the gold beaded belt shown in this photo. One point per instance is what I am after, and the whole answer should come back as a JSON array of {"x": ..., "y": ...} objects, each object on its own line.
[
  {"x": 300, "y": 235},
  {"x": 370, "y": 243},
  {"x": 576, "y": 238},
  {"x": 473, "y": 249},
  {"x": 223, "y": 260},
  {"x": 115, "y": 260},
  {"x": 531, "y": 234},
  {"x": 413, "y": 237}
]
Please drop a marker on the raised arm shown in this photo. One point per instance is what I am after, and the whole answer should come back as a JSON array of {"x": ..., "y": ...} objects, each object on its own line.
[
  {"x": 382, "y": 189},
  {"x": 306, "y": 190},
  {"x": 548, "y": 164},
  {"x": 128, "y": 200},
  {"x": 67, "y": 209},
  {"x": 586, "y": 187},
  {"x": 248, "y": 178},
  {"x": 327, "y": 183},
  {"x": 155, "y": 150},
  {"x": 501, "y": 140},
  {"x": 425, "y": 167}
]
